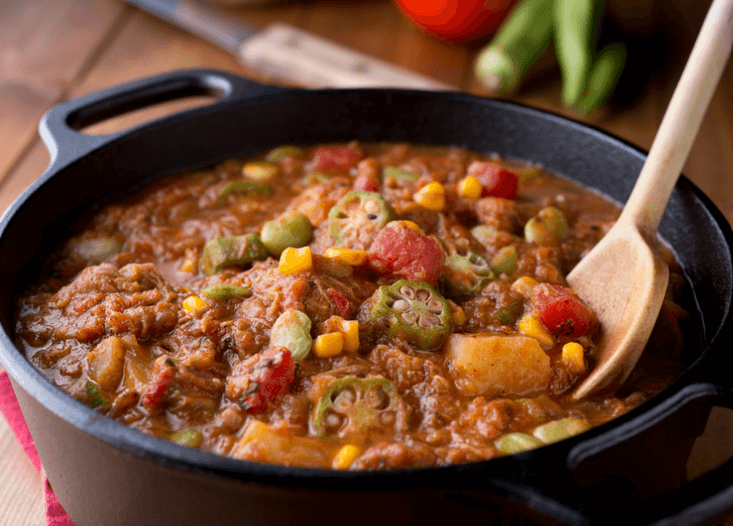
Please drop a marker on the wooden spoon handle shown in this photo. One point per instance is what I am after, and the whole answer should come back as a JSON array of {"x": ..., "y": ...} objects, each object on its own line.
[{"x": 682, "y": 119}]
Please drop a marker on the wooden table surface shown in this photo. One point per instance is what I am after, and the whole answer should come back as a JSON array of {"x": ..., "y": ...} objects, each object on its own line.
[{"x": 54, "y": 50}]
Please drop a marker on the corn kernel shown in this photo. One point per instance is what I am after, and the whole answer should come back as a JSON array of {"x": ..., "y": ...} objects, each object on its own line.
[
  {"x": 524, "y": 286},
  {"x": 349, "y": 328},
  {"x": 431, "y": 196},
  {"x": 354, "y": 258},
  {"x": 531, "y": 325},
  {"x": 470, "y": 187},
  {"x": 412, "y": 226},
  {"x": 328, "y": 345},
  {"x": 193, "y": 303},
  {"x": 346, "y": 456},
  {"x": 294, "y": 260},
  {"x": 572, "y": 357}
]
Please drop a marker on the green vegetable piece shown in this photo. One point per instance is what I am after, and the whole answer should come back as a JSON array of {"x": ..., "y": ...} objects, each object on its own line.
[
  {"x": 604, "y": 76},
  {"x": 292, "y": 330},
  {"x": 505, "y": 260},
  {"x": 222, "y": 252},
  {"x": 187, "y": 437},
  {"x": 484, "y": 234},
  {"x": 292, "y": 229},
  {"x": 413, "y": 311},
  {"x": 547, "y": 227},
  {"x": 351, "y": 406},
  {"x": 537, "y": 232},
  {"x": 490, "y": 236},
  {"x": 242, "y": 186},
  {"x": 279, "y": 153},
  {"x": 357, "y": 218},
  {"x": 399, "y": 174},
  {"x": 467, "y": 274},
  {"x": 523, "y": 36},
  {"x": 94, "y": 397},
  {"x": 560, "y": 429},
  {"x": 261, "y": 172},
  {"x": 97, "y": 250},
  {"x": 316, "y": 177},
  {"x": 555, "y": 221},
  {"x": 512, "y": 443},
  {"x": 525, "y": 176},
  {"x": 509, "y": 314},
  {"x": 576, "y": 23},
  {"x": 224, "y": 291}
]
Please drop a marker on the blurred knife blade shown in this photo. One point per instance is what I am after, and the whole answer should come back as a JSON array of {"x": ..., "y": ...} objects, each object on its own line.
[{"x": 288, "y": 53}]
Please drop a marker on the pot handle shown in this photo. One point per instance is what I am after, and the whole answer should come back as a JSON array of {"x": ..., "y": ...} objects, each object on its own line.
[
  {"x": 60, "y": 127},
  {"x": 561, "y": 492},
  {"x": 699, "y": 501}
]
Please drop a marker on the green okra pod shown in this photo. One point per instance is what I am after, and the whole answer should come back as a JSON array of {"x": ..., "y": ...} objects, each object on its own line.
[
  {"x": 576, "y": 24},
  {"x": 604, "y": 76},
  {"x": 522, "y": 38}
]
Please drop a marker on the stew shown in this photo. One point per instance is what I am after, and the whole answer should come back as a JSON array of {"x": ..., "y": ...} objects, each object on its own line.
[{"x": 352, "y": 306}]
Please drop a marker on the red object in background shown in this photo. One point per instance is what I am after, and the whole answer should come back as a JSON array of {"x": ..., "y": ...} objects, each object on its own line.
[{"x": 457, "y": 20}]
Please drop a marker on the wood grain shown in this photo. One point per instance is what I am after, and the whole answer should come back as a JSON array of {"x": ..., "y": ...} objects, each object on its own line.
[{"x": 39, "y": 62}]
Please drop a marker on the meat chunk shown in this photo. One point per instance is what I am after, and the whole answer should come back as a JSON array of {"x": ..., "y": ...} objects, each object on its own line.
[
  {"x": 103, "y": 300},
  {"x": 497, "y": 212}
]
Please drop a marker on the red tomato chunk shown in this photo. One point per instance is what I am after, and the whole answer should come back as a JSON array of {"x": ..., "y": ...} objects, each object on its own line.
[
  {"x": 335, "y": 158},
  {"x": 401, "y": 252},
  {"x": 163, "y": 375},
  {"x": 562, "y": 312},
  {"x": 495, "y": 180},
  {"x": 260, "y": 379}
]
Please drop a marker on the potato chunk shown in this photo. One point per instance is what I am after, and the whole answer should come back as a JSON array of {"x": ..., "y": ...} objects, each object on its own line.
[
  {"x": 277, "y": 444},
  {"x": 106, "y": 362},
  {"x": 493, "y": 365}
]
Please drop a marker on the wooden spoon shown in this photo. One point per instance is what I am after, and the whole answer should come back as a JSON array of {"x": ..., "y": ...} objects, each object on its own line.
[{"x": 623, "y": 279}]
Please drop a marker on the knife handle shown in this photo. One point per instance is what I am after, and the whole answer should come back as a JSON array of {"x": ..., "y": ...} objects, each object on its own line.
[{"x": 292, "y": 54}]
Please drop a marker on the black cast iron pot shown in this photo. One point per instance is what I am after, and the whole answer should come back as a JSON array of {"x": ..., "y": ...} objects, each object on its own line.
[{"x": 107, "y": 474}]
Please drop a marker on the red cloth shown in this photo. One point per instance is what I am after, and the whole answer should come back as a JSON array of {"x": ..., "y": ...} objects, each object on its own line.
[{"x": 55, "y": 514}]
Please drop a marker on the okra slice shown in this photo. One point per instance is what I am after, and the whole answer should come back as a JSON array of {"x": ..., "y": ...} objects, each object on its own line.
[
  {"x": 505, "y": 260},
  {"x": 187, "y": 437},
  {"x": 547, "y": 227},
  {"x": 352, "y": 406},
  {"x": 398, "y": 174},
  {"x": 357, "y": 219},
  {"x": 560, "y": 429},
  {"x": 511, "y": 443},
  {"x": 467, "y": 273},
  {"x": 224, "y": 291},
  {"x": 242, "y": 186},
  {"x": 292, "y": 330},
  {"x": 292, "y": 229},
  {"x": 222, "y": 252},
  {"x": 413, "y": 311},
  {"x": 281, "y": 152}
]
